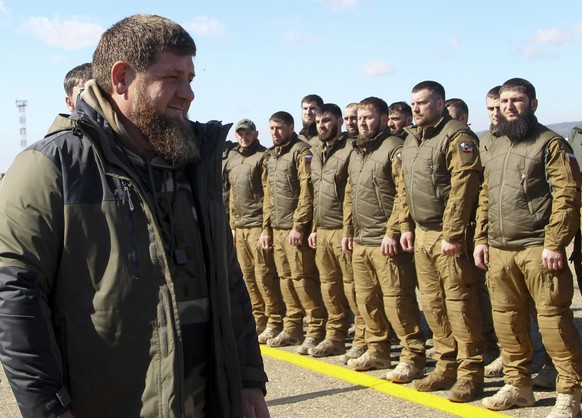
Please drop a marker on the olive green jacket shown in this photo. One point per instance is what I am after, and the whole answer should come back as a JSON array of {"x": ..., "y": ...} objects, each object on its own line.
[
  {"x": 243, "y": 175},
  {"x": 288, "y": 201},
  {"x": 531, "y": 193}
]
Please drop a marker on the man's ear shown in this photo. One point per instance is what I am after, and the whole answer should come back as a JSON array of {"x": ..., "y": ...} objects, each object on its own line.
[
  {"x": 121, "y": 77},
  {"x": 534, "y": 105},
  {"x": 69, "y": 103}
]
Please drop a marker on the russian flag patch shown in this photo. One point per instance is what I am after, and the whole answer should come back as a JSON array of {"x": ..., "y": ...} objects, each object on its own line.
[
  {"x": 572, "y": 158},
  {"x": 467, "y": 147},
  {"x": 308, "y": 159}
]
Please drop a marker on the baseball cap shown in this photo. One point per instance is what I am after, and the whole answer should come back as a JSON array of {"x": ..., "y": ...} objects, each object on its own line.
[{"x": 247, "y": 124}]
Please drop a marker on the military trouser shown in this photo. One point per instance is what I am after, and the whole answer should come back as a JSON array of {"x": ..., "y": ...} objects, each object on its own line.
[
  {"x": 299, "y": 285},
  {"x": 385, "y": 291},
  {"x": 260, "y": 275},
  {"x": 514, "y": 278},
  {"x": 335, "y": 269},
  {"x": 448, "y": 293},
  {"x": 491, "y": 344}
]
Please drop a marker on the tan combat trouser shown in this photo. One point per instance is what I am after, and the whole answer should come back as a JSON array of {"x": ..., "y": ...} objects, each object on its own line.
[
  {"x": 260, "y": 275},
  {"x": 448, "y": 293},
  {"x": 491, "y": 344},
  {"x": 299, "y": 285},
  {"x": 514, "y": 278},
  {"x": 336, "y": 276},
  {"x": 385, "y": 291}
]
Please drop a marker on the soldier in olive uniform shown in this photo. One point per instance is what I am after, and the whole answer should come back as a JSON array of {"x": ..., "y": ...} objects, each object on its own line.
[
  {"x": 384, "y": 275},
  {"x": 529, "y": 211},
  {"x": 243, "y": 171},
  {"x": 399, "y": 117},
  {"x": 309, "y": 106},
  {"x": 442, "y": 171},
  {"x": 287, "y": 220},
  {"x": 329, "y": 173}
]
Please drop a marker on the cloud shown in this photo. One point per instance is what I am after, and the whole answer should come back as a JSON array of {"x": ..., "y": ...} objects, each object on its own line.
[
  {"x": 553, "y": 36},
  {"x": 443, "y": 51},
  {"x": 535, "y": 53},
  {"x": 377, "y": 68},
  {"x": 536, "y": 48},
  {"x": 337, "y": 5},
  {"x": 206, "y": 26},
  {"x": 72, "y": 33}
]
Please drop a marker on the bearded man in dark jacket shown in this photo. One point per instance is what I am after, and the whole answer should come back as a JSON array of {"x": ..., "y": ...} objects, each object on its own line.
[{"x": 120, "y": 295}]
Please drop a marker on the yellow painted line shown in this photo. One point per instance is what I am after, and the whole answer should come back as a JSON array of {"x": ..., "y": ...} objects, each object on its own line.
[{"x": 380, "y": 385}]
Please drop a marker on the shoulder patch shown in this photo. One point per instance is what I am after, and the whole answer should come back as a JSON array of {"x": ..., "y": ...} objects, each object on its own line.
[
  {"x": 308, "y": 159},
  {"x": 467, "y": 147}
]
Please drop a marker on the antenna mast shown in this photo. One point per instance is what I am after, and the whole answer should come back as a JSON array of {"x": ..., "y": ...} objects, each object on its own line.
[{"x": 21, "y": 105}]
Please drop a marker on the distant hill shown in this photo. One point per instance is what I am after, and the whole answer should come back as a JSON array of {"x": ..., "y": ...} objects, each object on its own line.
[{"x": 563, "y": 128}]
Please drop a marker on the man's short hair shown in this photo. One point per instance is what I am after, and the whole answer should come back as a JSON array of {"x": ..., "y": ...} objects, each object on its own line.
[
  {"x": 401, "y": 107},
  {"x": 432, "y": 86},
  {"x": 494, "y": 93},
  {"x": 78, "y": 76},
  {"x": 136, "y": 40},
  {"x": 378, "y": 104},
  {"x": 312, "y": 98},
  {"x": 521, "y": 85},
  {"x": 329, "y": 108},
  {"x": 458, "y": 104},
  {"x": 282, "y": 117}
]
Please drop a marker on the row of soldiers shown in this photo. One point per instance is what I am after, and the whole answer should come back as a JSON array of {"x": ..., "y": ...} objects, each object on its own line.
[{"x": 330, "y": 224}]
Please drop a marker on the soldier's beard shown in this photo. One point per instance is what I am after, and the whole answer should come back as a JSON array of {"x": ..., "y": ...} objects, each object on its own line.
[
  {"x": 171, "y": 138},
  {"x": 516, "y": 129},
  {"x": 364, "y": 137},
  {"x": 331, "y": 134}
]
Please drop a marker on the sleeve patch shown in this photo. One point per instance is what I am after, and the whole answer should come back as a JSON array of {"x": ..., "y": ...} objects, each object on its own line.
[
  {"x": 467, "y": 147},
  {"x": 308, "y": 159}
]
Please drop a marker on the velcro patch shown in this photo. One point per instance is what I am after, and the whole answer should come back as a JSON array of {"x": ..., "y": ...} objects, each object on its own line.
[
  {"x": 308, "y": 159},
  {"x": 467, "y": 147},
  {"x": 572, "y": 158}
]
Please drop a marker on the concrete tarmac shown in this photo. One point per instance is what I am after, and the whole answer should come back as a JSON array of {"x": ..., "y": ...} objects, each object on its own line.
[{"x": 300, "y": 386}]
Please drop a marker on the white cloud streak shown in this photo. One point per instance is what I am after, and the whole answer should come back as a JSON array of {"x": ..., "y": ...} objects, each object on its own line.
[
  {"x": 553, "y": 36},
  {"x": 338, "y": 5},
  {"x": 206, "y": 26},
  {"x": 72, "y": 33},
  {"x": 378, "y": 68}
]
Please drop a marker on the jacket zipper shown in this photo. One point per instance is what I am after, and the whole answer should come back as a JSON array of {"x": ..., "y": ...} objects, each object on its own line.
[{"x": 134, "y": 263}]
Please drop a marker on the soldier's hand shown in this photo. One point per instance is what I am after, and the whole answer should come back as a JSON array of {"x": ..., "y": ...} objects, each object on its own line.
[
  {"x": 266, "y": 242},
  {"x": 312, "y": 240},
  {"x": 347, "y": 245},
  {"x": 295, "y": 238},
  {"x": 389, "y": 246},
  {"x": 481, "y": 256},
  {"x": 407, "y": 241},
  {"x": 552, "y": 260},
  {"x": 450, "y": 249}
]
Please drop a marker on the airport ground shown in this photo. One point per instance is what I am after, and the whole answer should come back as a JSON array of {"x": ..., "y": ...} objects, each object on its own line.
[{"x": 301, "y": 386}]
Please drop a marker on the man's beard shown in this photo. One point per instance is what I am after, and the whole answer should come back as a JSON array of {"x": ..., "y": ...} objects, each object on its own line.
[
  {"x": 364, "y": 137},
  {"x": 331, "y": 134},
  {"x": 171, "y": 138},
  {"x": 517, "y": 129}
]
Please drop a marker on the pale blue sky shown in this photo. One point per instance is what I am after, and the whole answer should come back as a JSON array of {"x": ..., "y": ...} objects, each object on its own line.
[{"x": 258, "y": 57}]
